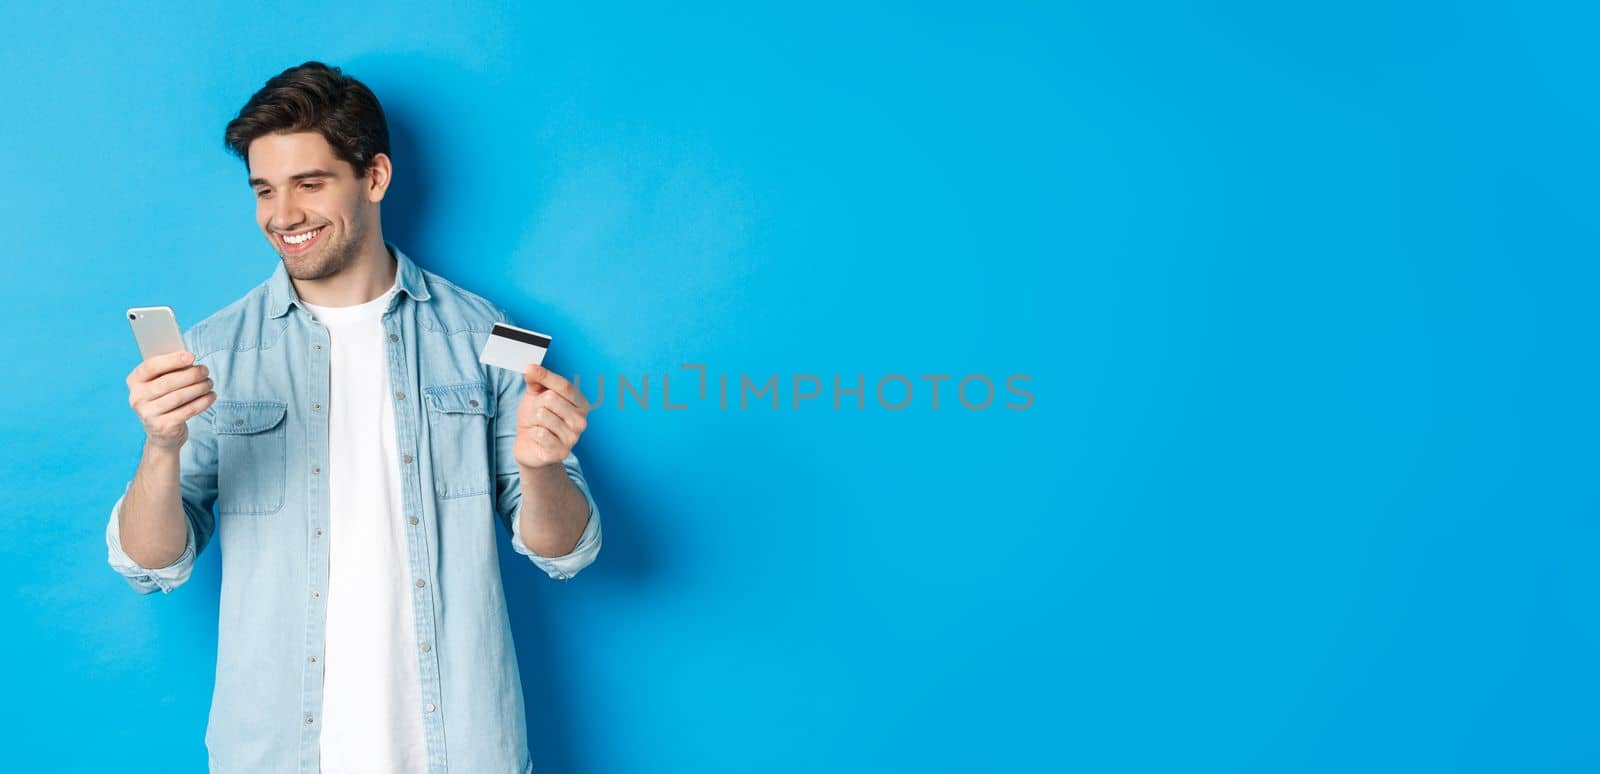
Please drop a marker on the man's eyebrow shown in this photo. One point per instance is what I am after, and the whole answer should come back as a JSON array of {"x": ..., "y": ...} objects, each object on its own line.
[{"x": 255, "y": 181}]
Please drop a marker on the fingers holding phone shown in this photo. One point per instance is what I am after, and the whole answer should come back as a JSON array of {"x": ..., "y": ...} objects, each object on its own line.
[{"x": 166, "y": 391}]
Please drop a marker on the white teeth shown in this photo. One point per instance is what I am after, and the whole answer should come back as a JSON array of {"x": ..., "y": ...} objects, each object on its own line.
[{"x": 301, "y": 239}]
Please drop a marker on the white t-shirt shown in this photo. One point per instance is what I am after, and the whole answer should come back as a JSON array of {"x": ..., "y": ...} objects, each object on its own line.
[{"x": 371, "y": 692}]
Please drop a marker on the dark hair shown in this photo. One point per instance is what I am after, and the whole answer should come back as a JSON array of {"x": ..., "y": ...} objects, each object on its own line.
[{"x": 314, "y": 97}]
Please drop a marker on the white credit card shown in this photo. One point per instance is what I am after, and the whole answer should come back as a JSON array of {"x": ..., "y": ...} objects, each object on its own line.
[{"x": 513, "y": 348}]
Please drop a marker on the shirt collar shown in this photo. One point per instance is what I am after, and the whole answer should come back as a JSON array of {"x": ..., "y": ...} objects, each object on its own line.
[{"x": 280, "y": 291}]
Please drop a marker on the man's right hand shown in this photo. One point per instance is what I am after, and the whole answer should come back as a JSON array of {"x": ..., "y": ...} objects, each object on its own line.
[{"x": 165, "y": 391}]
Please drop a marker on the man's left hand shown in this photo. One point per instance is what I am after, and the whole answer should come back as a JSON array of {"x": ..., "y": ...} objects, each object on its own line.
[{"x": 550, "y": 418}]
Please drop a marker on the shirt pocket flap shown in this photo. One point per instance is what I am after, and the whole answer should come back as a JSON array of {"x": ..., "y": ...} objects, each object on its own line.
[
  {"x": 241, "y": 417},
  {"x": 464, "y": 398}
]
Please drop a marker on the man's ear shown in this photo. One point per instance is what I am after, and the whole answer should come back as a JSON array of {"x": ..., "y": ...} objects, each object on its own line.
[{"x": 379, "y": 173}]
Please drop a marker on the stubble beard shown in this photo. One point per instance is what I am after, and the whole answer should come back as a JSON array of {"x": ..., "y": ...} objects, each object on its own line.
[{"x": 335, "y": 256}]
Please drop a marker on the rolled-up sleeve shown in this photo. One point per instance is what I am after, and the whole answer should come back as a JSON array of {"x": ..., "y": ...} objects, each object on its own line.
[
  {"x": 581, "y": 555},
  {"x": 146, "y": 580}
]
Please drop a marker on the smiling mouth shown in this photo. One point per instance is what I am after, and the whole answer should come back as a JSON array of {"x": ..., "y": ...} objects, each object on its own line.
[{"x": 301, "y": 241}]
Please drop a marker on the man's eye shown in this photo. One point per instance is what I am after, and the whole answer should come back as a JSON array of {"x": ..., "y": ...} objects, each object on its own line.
[
  {"x": 312, "y": 186},
  {"x": 262, "y": 194}
]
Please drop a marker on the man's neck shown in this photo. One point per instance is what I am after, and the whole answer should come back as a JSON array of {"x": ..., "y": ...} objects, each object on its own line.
[{"x": 369, "y": 276}]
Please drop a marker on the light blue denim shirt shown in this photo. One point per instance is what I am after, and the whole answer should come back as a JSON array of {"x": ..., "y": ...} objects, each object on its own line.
[{"x": 257, "y": 454}]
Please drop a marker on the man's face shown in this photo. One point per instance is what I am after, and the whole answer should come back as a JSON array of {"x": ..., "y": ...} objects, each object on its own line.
[{"x": 310, "y": 204}]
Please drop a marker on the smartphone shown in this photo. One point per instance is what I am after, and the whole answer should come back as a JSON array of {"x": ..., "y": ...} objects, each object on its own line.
[{"x": 156, "y": 330}]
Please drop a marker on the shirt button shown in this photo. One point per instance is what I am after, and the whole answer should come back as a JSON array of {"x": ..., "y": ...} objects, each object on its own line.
[
  {"x": 315, "y": 594},
  {"x": 312, "y": 659},
  {"x": 407, "y": 458},
  {"x": 429, "y": 708},
  {"x": 316, "y": 468},
  {"x": 316, "y": 407},
  {"x": 393, "y": 337},
  {"x": 308, "y": 720},
  {"x": 421, "y": 583},
  {"x": 238, "y": 423},
  {"x": 317, "y": 347},
  {"x": 318, "y": 531},
  {"x": 426, "y": 647},
  {"x": 413, "y": 520},
  {"x": 398, "y": 395},
  {"x": 472, "y": 403}
]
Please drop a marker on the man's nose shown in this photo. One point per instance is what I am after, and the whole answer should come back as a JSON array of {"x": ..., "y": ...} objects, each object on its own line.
[{"x": 286, "y": 214}]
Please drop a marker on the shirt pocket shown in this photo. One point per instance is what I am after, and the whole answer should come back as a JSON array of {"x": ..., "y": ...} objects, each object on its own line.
[
  {"x": 458, "y": 427},
  {"x": 251, "y": 455}
]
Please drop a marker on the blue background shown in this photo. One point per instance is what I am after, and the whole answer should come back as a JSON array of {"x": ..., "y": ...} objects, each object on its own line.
[{"x": 1306, "y": 296}]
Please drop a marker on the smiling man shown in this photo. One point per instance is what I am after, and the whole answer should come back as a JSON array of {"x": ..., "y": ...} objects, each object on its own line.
[{"x": 357, "y": 457}]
